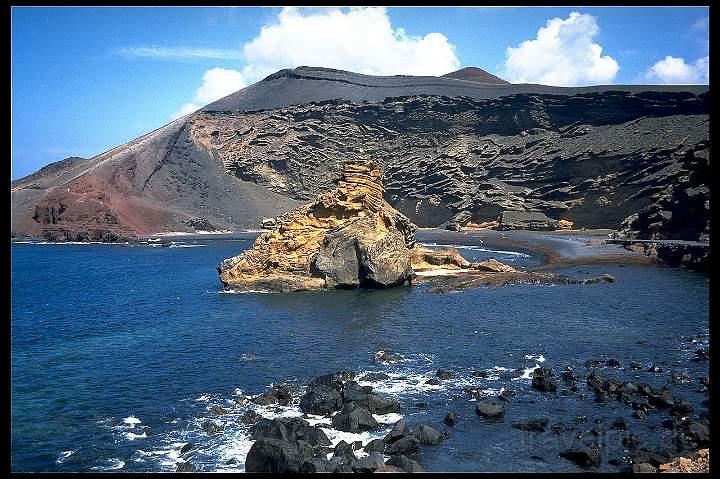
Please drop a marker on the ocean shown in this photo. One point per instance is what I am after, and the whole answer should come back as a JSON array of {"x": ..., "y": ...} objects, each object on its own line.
[{"x": 108, "y": 339}]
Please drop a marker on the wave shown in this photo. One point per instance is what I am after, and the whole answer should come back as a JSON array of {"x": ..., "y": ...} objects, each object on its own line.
[
  {"x": 70, "y": 242},
  {"x": 246, "y": 291},
  {"x": 227, "y": 451},
  {"x": 113, "y": 464},
  {"x": 64, "y": 455}
]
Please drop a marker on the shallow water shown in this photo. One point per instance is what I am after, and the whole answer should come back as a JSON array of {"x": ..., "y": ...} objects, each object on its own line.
[{"x": 104, "y": 336}]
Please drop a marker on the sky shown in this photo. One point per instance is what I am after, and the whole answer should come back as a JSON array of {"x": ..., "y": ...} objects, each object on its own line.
[{"x": 87, "y": 79}]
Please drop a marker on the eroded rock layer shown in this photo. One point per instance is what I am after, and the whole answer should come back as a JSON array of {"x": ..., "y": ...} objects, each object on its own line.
[{"x": 348, "y": 237}]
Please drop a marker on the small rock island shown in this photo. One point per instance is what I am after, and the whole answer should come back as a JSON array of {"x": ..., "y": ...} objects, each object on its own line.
[{"x": 350, "y": 237}]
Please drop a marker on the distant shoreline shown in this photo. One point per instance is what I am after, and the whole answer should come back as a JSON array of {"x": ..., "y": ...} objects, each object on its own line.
[{"x": 549, "y": 248}]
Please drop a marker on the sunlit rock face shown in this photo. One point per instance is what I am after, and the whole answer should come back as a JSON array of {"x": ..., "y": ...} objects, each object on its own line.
[{"x": 348, "y": 237}]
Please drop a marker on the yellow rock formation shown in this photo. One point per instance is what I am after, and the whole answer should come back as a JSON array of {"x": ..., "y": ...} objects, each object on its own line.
[
  {"x": 343, "y": 233},
  {"x": 564, "y": 225}
]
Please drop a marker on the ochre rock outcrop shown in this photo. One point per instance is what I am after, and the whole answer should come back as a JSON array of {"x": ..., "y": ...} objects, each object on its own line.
[
  {"x": 700, "y": 463},
  {"x": 348, "y": 237}
]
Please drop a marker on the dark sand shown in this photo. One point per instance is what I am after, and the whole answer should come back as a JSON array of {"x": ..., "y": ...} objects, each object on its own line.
[{"x": 548, "y": 248}]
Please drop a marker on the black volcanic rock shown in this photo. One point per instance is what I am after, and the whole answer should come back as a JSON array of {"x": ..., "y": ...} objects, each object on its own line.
[
  {"x": 404, "y": 445},
  {"x": 276, "y": 455},
  {"x": 450, "y": 419},
  {"x": 477, "y": 75},
  {"x": 583, "y": 456},
  {"x": 535, "y": 425},
  {"x": 354, "y": 419},
  {"x": 322, "y": 400},
  {"x": 526, "y": 220},
  {"x": 489, "y": 409},
  {"x": 405, "y": 464}
]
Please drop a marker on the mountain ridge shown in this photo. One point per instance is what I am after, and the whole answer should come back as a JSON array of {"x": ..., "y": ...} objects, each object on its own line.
[{"x": 232, "y": 163}]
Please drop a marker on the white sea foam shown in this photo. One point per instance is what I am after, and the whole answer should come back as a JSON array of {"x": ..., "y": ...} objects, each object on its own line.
[
  {"x": 247, "y": 291},
  {"x": 402, "y": 383},
  {"x": 235, "y": 443},
  {"x": 390, "y": 418},
  {"x": 496, "y": 369},
  {"x": 527, "y": 373},
  {"x": 113, "y": 464},
  {"x": 132, "y": 420},
  {"x": 232, "y": 448},
  {"x": 69, "y": 242},
  {"x": 365, "y": 437},
  {"x": 64, "y": 455},
  {"x": 441, "y": 272},
  {"x": 193, "y": 233},
  {"x": 488, "y": 392}
]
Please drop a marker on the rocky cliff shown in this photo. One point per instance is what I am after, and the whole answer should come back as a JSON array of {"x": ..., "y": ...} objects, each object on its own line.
[
  {"x": 453, "y": 150},
  {"x": 591, "y": 159}
]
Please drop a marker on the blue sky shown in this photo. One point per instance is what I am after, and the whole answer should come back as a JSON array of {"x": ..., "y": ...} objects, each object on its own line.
[{"x": 87, "y": 79}]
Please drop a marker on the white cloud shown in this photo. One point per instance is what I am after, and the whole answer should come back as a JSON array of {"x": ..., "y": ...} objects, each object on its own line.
[
  {"x": 701, "y": 25},
  {"x": 217, "y": 83},
  {"x": 179, "y": 53},
  {"x": 360, "y": 40},
  {"x": 563, "y": 54},
  {"x": 675, "y": 71}
]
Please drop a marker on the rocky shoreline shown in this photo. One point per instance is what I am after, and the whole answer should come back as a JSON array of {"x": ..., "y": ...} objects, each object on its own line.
[
  {"x": 550, "y": 253},
  {"x": 350, "y": 237},
  {"x": 345, "y": 401}
]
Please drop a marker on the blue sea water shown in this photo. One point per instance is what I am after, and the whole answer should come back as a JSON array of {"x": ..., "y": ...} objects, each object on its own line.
[{"x": 107, "y": 339}]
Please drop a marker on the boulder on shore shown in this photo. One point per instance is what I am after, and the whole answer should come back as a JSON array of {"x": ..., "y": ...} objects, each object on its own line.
[
  {"x": 527, "y": 220},
  {"x": 321, "y": 400},
  {"x": 353, "y": 418},
  {"x": 490, "y": 409},
  {"x": 277, "y": 455},
  {"x": 585, "y": 456}
]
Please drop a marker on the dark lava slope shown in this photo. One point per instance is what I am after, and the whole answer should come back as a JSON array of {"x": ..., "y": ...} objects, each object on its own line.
[
  {"x": 305, "y": 84},
  {"x": 452, "y": 150},
  {"x": 476, "y": 74}
]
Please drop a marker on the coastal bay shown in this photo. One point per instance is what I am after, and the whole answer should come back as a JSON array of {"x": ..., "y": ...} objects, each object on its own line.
[{"x": 100, "y": 320}]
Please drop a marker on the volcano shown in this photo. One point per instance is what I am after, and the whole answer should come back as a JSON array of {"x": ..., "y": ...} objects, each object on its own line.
[
  {"x": 457, "y": 148},
  {"x": 477, "y": 75}
]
